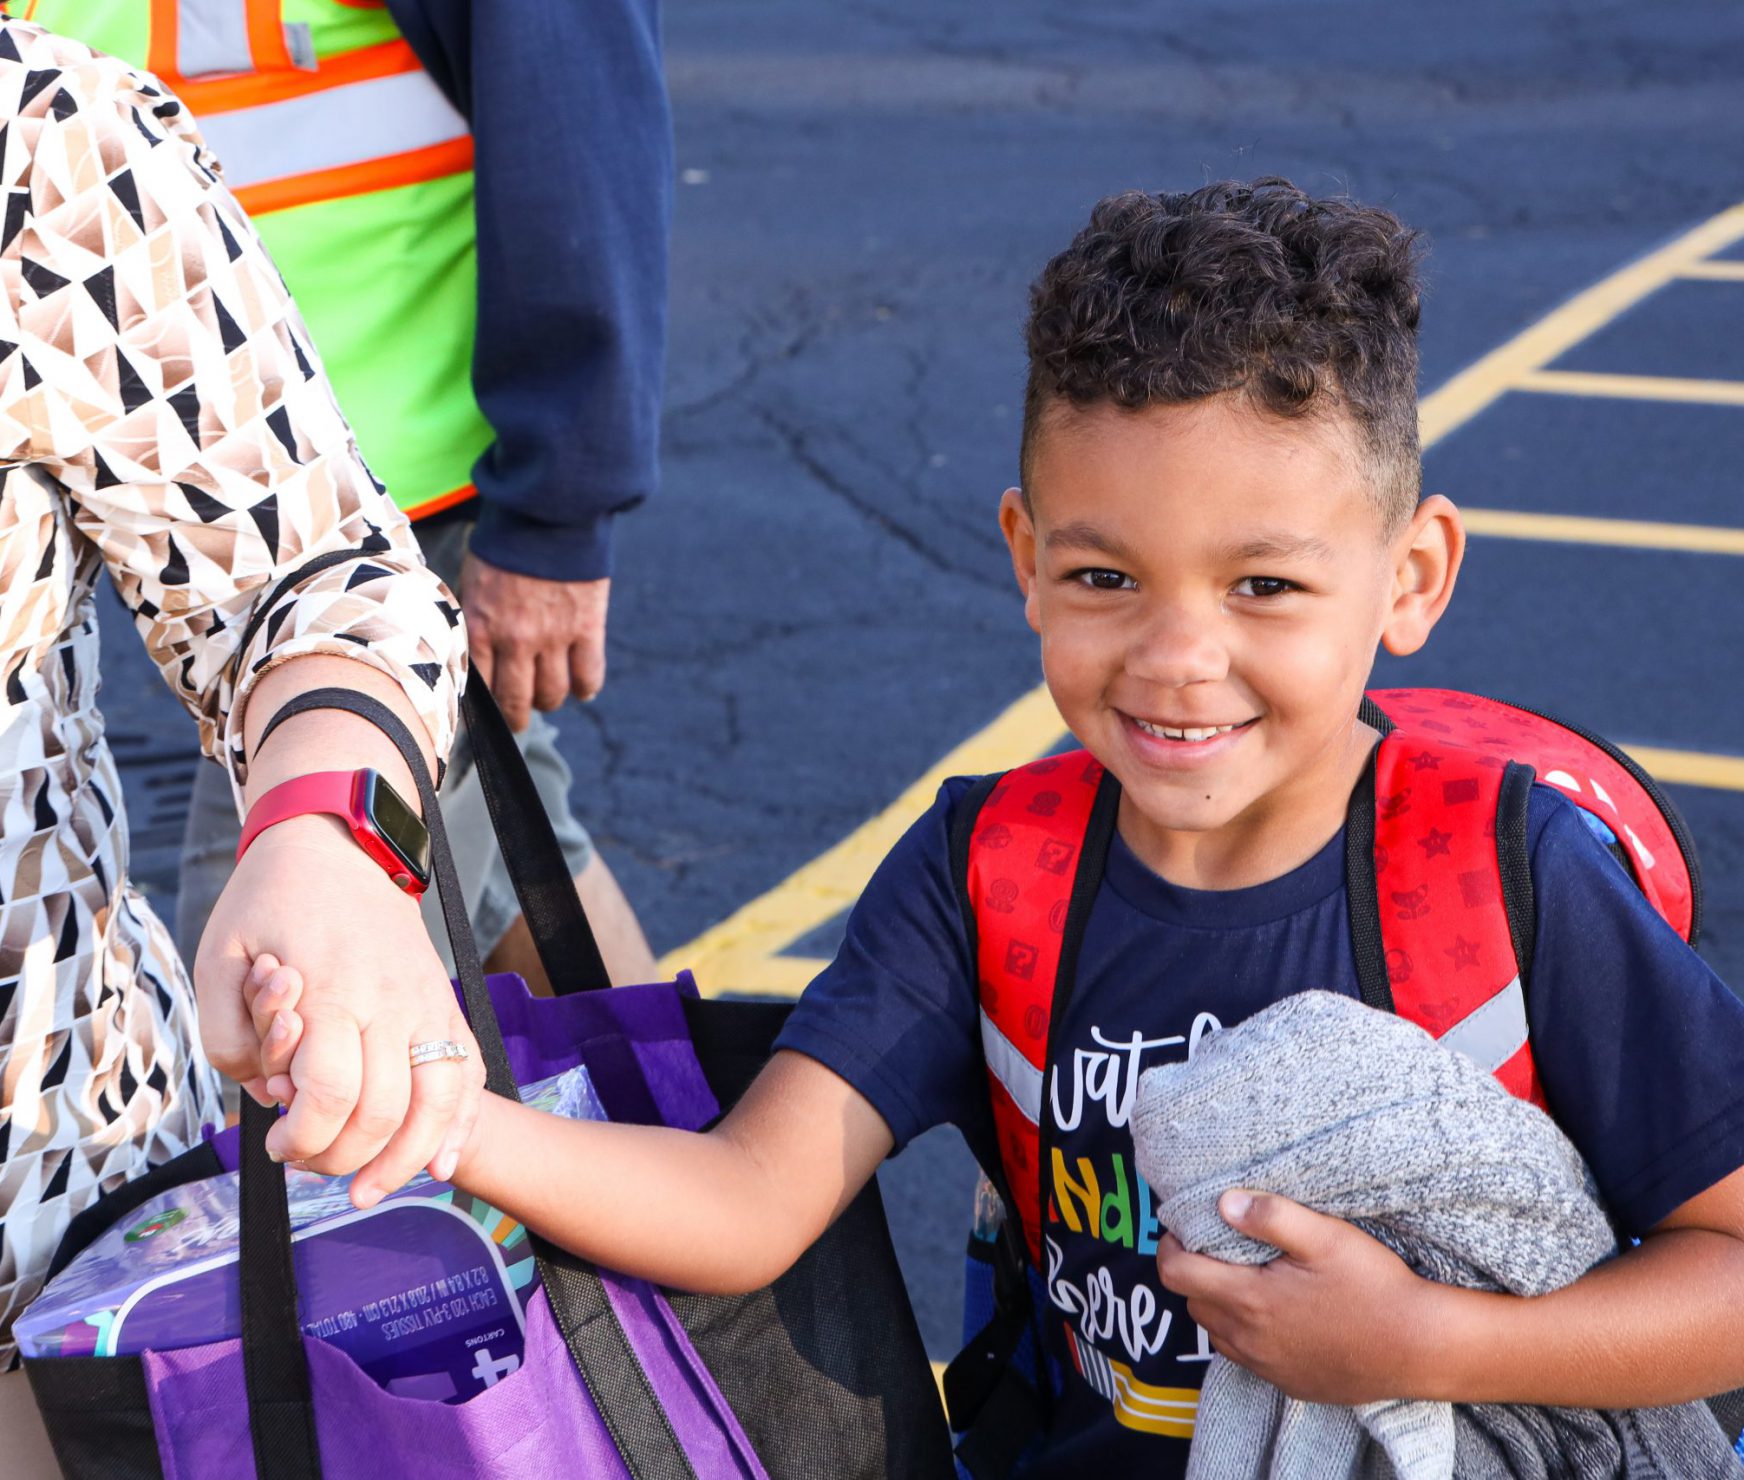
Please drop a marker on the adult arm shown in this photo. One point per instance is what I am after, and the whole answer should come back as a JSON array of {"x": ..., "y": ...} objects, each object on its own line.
[
  {"x": 573, "y": 221},
  {"x": 204, "y": 460}
]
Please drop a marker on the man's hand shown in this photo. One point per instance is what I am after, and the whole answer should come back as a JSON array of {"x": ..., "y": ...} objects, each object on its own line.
[
  {"x": 1336, "y": 1318},
  {"x": 367, "y": 986},
  {"x": 534, "y": 642}
]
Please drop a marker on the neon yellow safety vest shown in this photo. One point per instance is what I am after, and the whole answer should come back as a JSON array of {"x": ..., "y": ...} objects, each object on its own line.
[{"x": 357, "y": 171}]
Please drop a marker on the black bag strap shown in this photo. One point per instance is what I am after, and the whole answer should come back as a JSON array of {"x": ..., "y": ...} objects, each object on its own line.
[
  {"x": 1363, "y": 894},
  {"x": 1515, "y": 861},
  {"x": 537, "y": 868},
  {"x": 281, "y": 1408}
]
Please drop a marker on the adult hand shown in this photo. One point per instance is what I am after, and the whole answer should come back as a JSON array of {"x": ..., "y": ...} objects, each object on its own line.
[
  {"x": 1337, "y": 1317},
  {"x": 534, "y": 642},
  {"x": 368, "y": 986}
]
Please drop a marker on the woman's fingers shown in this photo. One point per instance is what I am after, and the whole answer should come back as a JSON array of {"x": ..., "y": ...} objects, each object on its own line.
[{"x": 226, "y": 1028}]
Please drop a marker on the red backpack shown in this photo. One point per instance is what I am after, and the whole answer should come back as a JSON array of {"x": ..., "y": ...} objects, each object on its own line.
[{"x": 1441, "y": 916}]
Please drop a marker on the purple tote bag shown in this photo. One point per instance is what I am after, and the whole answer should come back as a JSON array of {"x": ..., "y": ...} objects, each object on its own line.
[
  {"x": 637, "y": 1048},
  {"x": 614, "y": 1385}
]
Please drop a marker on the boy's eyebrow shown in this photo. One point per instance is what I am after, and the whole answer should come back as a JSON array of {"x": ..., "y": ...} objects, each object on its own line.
[
  {"x": 1279, "y": 547},
  {"x": 1080, "y": 534}
]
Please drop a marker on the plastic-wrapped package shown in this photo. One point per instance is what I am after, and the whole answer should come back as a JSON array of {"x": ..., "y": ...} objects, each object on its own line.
[{"x": 425, "y": 1291}]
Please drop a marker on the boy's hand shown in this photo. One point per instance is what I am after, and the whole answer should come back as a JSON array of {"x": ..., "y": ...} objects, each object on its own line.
[
  {"x": 1336, "y": 1318},
  {"x": 271, "y": 993}
]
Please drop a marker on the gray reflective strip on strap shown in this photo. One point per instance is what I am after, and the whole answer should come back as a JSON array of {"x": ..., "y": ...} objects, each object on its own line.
[
  {"x": 1494, "y": 1033},
  {"x": 337, "y": 126},
  {"x": 1022, "y": 1080},
  {"x": 212, "y": 36}
]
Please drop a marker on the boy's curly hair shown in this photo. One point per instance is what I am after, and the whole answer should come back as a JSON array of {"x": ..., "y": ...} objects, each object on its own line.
[{"x": 1302, "y": 305}]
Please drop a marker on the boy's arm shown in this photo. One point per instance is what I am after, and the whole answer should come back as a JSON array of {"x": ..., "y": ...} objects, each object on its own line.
[
  {"x": 1339, "y": 1319},
  {"x": 723, "y": 1212}
]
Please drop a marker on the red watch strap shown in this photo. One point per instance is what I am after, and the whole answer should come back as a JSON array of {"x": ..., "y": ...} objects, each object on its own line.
[{"x": 319, "y": 791}]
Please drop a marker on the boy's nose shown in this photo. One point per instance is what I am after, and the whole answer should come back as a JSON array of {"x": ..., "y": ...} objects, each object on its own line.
[{"x": 1178, "y": 648}]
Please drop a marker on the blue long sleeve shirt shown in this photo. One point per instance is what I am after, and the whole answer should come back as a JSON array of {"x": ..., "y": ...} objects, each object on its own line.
[{"x": 572, "y": 140}]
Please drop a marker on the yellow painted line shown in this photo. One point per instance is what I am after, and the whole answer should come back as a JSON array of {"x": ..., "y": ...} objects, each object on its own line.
[
  {"x": 1481, "y": 384},
  {"x": 1633, "y": 387},
  {"x": 742, "y": 953},
  {"x": 764, "y": 976},
  {"x": 1690, "y": 767},
  {"x": 1579, "y": 529},
  {"x": 1715, "y": 272}
]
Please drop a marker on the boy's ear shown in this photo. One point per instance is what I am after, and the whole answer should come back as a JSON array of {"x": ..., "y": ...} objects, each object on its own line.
[
  {"x": 1427, "y": 556},
  {"x": 1020, "y": 536}
]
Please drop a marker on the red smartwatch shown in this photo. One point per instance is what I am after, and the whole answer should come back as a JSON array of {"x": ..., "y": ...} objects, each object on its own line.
[{"x": 386, "y": 829}]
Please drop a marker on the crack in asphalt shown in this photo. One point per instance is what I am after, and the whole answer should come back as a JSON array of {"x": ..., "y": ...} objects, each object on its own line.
[{"x": 795, "y": 440}]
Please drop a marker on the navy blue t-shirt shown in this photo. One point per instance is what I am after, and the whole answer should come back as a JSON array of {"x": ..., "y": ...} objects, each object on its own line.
[{"x": 1639, "y": 1045}]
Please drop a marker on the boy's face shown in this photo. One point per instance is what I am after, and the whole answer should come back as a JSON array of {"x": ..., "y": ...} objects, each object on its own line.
[{"x": 1210, "y": 584}]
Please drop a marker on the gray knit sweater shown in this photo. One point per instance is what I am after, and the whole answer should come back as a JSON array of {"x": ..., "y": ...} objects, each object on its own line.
[{"x": 1364, "y": 1116}]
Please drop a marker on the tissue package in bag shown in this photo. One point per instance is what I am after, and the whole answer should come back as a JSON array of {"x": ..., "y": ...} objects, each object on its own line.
[{"x": 425, "y": 1291}]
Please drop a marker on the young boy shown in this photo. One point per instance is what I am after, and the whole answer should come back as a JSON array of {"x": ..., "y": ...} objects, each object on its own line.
[{"x": 1220, "y": 519}]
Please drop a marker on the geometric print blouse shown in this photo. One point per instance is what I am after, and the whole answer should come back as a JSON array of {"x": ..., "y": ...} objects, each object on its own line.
[{"x": 163, "y": 416}]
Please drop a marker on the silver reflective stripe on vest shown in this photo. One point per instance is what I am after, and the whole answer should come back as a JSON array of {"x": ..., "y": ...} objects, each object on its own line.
[
  {"x": 1494, "y": 1033},
  {"x": 336, "y": 126},
  {"x": 212, "y": 36},
  {"x": 1022, "y": 1080}
]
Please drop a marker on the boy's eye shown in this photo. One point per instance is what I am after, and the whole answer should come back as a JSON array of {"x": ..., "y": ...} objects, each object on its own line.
[
  {"x": 1103, "y": 580},
  {"x": 1264, "y": 586}
]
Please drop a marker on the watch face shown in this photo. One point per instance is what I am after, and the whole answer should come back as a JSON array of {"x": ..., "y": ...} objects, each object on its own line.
[{"x": 400, "y": 828}]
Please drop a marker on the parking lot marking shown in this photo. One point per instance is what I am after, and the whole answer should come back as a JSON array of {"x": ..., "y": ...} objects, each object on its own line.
[
  {"x": 1690, "y": 767},
  {"x": 1633, "y": 387},
  {"x": 1720, "y": 271},
  {"x": 743, "y": 952},
  {"x": 1581, "y": 529},
  {"x": 1481, "y": 384}
]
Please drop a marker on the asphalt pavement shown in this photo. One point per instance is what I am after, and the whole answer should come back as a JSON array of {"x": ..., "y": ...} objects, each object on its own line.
[{"x": 818, "y": 607}]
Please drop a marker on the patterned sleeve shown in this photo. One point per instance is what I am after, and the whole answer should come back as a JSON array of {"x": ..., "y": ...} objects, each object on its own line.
[{"x": 164, "y": 378}]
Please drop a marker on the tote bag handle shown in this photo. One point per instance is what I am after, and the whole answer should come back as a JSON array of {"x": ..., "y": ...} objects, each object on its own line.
[
  {"x": 280, "y": 1399},
  {"x": 537, "y": 868}
]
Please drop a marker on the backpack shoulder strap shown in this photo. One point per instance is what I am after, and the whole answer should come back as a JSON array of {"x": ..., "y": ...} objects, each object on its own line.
[
  {"x": 1020, "y": 879},
  {"x": 1441, "y": 898},
  {"x": 1027, "y": 855}
]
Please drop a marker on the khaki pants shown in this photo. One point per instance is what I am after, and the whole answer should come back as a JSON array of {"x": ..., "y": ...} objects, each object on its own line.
[{"x": 28, "y": 1456}]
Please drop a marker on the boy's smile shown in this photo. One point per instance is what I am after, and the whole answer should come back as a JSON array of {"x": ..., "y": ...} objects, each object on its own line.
[{"x": 1210, "y": 583}]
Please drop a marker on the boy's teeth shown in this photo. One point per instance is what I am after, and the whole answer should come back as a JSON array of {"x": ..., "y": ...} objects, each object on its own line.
[{"x": 1189, "y": 733}]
